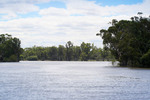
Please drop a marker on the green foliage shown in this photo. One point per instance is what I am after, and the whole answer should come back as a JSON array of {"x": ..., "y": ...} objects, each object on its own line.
[
  {"x": 12, "y": 58},
  {"x": 83, "y": 56},
  {"x": 68, "y": 52},
  {"x": 10, "y": 49},
  {"x": 128, "y": 41},
  {"x": 76, "y": 53},
  {"x": 86, "y": 49},
  {"x": 32, "y": 58},
  {"x": 61, "y": 53},
  {"x": 146, "y": 59},
  {"x": 53, "y": 53}
]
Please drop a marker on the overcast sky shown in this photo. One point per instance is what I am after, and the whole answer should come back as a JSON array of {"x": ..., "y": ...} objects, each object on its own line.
[{"x": 54, "y": 22}]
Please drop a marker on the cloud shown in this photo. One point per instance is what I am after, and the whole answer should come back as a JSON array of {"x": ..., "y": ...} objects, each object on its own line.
[
  {"x": 48, "y": 29},
  {"x": 78, "y": 22},
  {"x": 90, "y": 8},
  {"x": 52, "y": 30},
  {"x": 11, "y": 8},
  {"x": 4, "y": 2},
  {"x": 52, "y": 11}
]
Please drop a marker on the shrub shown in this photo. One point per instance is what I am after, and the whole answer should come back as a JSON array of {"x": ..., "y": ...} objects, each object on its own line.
[{"x": 32, "y": 58}]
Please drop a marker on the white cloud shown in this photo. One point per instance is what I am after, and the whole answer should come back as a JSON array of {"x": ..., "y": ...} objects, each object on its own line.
[
  {"x": 89, "y": 8},
  {"x": 56, "y": 29},
  {"x": 11, "y": 8},
  {"x": 52, "y": 11},
  {"x": 52, "y": 30},
  {"x": 3, "y": 2},
  {"x": 58, "y": 25}
]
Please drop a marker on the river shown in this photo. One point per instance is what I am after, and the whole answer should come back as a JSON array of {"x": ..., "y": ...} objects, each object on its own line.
[{"x": 47, "y": 80}]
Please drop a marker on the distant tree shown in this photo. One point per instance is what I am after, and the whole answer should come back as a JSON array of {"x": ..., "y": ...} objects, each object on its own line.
[
  {"x": 94, "y": 53},
  {"x": 40, "y": 52},
  {"x": 69, "y": 51},
  {"x": 61, "y": 53},
  {"x": 85, "y": 49},
  {"x": 52, "y": 53},
  {"x": 84, "y": 52},
  {"x": 76, "y": 53}
]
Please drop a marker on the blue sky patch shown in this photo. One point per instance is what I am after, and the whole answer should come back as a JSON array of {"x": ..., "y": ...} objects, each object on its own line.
[
  {"x": 116, "y": 2},
  {"x": 1, "y": 15},
  {"x": 31, "y": 15}
]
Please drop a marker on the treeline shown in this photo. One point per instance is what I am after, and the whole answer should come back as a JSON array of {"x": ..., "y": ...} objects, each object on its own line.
[
  {"x": 69, "y": 52},
  {"x": 129, "y": 41},
  {"x": 10, "y": 49}
]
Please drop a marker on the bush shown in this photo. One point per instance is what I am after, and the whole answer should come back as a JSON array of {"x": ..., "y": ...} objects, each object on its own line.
[
  {"x": 146, "y": 59},
  {"x": 12, "y": 58},
  {"x": 32, "y": 58}
]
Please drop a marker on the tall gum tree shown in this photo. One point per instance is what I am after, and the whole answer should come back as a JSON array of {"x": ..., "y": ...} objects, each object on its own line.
[{"x": 129, "y": 41}]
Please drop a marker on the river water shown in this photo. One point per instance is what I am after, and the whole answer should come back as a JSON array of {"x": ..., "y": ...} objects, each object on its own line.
[{"x": 46, "y": 80}]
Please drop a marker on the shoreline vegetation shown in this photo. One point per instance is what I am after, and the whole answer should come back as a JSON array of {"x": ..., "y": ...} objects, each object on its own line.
[
  {"x": 125, "y": 41},
  {"x": 129, "y": 41},
  {"x": 11, "y": 51},
  {"x": 69, "y": 52},
  {"x": 10, "y": 48}
]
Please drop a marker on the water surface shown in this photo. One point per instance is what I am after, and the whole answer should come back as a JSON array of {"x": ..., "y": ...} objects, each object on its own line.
[{"x": 46, "y": 80}]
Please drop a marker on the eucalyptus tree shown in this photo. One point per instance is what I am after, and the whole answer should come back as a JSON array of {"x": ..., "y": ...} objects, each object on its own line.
[
  {"x": 61, "y": 53},
  {"x": 128, "y": 40},
  {"x": 10, "y": 48},
  {"x": 69, "y": 51},
  {"x": 85, "y": 51},
  {"x": 76, "y": 53}
]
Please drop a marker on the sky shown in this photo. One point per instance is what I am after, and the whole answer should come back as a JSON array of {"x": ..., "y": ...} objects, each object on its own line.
[{"x": 54, "y": 22}]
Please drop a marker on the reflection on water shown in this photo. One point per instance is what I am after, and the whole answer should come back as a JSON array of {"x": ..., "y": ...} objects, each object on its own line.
[{"x": 45, "y": 80}]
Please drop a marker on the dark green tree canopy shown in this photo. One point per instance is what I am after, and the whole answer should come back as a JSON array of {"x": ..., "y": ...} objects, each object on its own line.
[
  {"x": 69, "y": 52},
  {"x": 9, "y": 48},
  {"x": 129, "y": 41}
]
